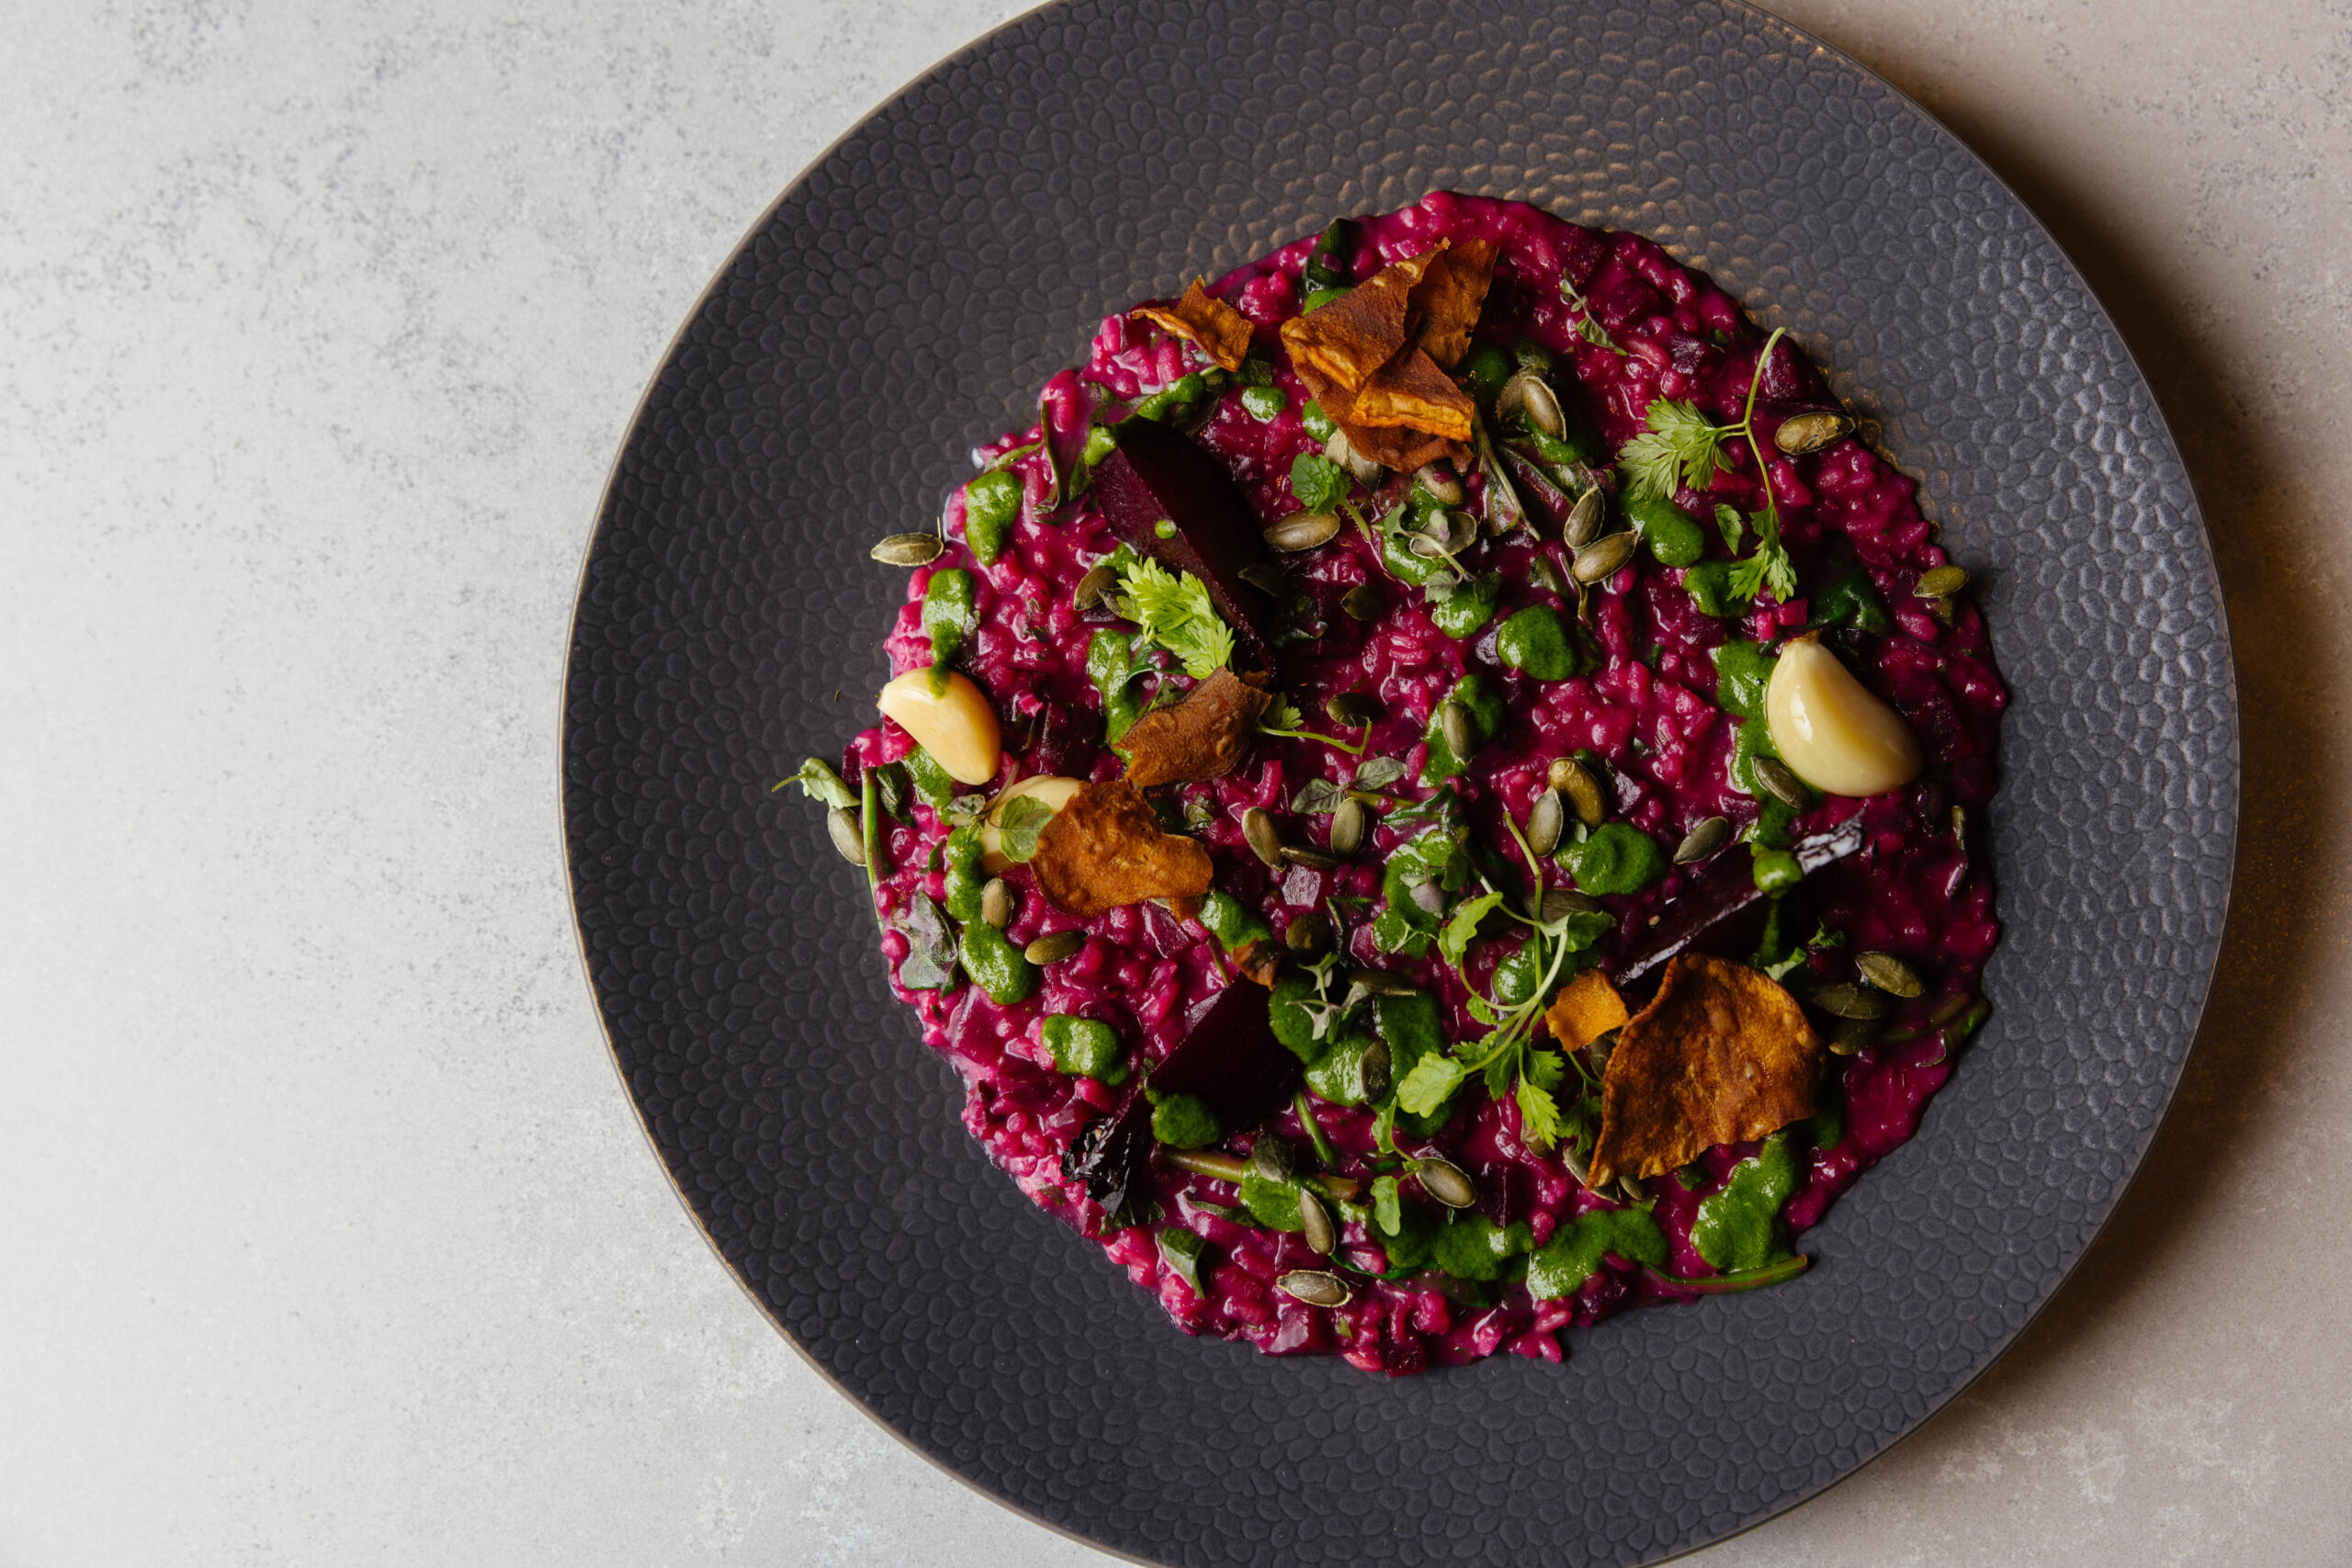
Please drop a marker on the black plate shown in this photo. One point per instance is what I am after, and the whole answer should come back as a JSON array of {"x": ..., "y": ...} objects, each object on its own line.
[{"x": 908, "y": 295}]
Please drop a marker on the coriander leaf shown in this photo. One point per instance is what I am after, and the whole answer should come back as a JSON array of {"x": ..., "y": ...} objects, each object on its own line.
[
  {"x": 1481, "y": 1011},
  {"x": 1455, "y": 938},
  {"x": 1546, "y": 1068},
  {"x": 1498, "y": 1073},
  {"x": 1728, "y": 519},
  {"x": 1316, "y": 481},
  {"x": 1430, "y": 1083},
  {"x": 1769, "y": 567},
  {"x": 1281, "y": 714},
  {"x": 1680, "y": 446},
  {"x": 1387, "y": 1214},
  {"x": 1539, "y": 1115},
  {"x": 818, "y": 781},
  {"x": 1024, "y": 816},
  {"x": 1174, "y": 611}
]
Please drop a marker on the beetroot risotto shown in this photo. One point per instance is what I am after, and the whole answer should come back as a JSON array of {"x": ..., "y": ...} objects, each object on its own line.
[{"x": 1434, "y": 795}]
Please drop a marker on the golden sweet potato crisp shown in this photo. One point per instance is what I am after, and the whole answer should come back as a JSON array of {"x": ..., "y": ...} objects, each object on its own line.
[
  {"x": 1201, "y": 737},
  {"x": 1722, "y": 1053},
  {"x": 1105, "y": 849},
  {"x": 1586, "y": 1008},
  {"x": 1221, "y": 331}
]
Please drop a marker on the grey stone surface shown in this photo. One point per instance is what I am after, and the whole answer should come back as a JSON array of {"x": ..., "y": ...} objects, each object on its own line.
[{"x": 328, "y": 1236}]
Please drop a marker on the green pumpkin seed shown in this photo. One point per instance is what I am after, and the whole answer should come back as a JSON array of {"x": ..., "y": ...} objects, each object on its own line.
[
  {"x": 1584, "y": 791},
  {"x": 1779, "y": 781},
  {"x": 1337, "y": 449},
  {"x": 1841, "y": 998},
  {"x": 1543, "y": 574},
  {"x": 1453, "y": 726},
  {"x": 996, "y": 903},
  {"x": 1199, "y": 812},
  {"x": 1545, "y": 822},
  {"x": 843, "y": 825},
  {"x": 1630, "y": 1190},
  {"x": 1562, "y": 902},
  {"x": 1266, "y": 578},
  {"x": 1526, "y": 393},
  {"x": 1362, "y": 603},
  {"x": 1352, "y": 708},
  {"x": 909, "y": 549},
  {"x": 1890, "y": 975},
  {"x": 1312, "y": 859},
  {"x": 1377, "y": 1066},
  {"x": 1942, "y": 582},
  {"x": 1258, "y": 828},
  {"x": 1441, "y": 483},
  {"x": 1095, "y": 587},
  {"x": 1381, "y": 983},
  {"x": 1315, "y": 1287},
  {"x": 1054, "y": 947},
  {"x": 1599, "y": 559},
  {"x": 1347, "y": 821},
  {"x": 1308, "y": 934},
  {"x": 1303, "y": 531},
  {"x": 1583, "y": 524},
  {"x": 1603, "y": 1046},
  {"x": 1702, "y": 840},
  {"x": 1850, "y": 1034},
  {"x": 1445, "y": 1181},
  {"x": 1810, "y": 432},
  {"x": 1272, "y": 1158},
  {"x": 1322, "y": 1236},
  {"x": 1577, "y": 1166}
]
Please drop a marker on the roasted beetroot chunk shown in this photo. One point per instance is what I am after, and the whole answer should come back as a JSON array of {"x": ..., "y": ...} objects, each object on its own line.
[{"x": 1156, "y": 477}]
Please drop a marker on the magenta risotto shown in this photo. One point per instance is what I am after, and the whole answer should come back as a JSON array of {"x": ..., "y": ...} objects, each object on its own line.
[{"x": 1434, "y": 795}]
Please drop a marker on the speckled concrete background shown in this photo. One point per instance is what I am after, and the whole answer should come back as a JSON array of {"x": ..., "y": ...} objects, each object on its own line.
[{"x": 325, "y": 1232}]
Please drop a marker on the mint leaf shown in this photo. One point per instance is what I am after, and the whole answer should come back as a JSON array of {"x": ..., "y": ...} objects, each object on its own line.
[
  {"x": 1316, "y": 481},
  {"x": 1018, "y": 825}
]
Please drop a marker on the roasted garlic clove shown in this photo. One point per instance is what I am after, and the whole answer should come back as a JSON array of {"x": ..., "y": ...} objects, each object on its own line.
[
  {"x": 953, "y": 722},
  {"x": 1831, "y": 731}
]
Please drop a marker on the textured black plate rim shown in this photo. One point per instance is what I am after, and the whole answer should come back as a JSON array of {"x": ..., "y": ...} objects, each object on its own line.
[{"x": 1792, "y": 1501}]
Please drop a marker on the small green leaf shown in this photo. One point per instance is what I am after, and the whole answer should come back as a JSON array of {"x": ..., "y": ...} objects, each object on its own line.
[
  {"x": 1023, "y": 817},
  {"x": 1316, "y": 481},
  {"x": 1174, "y": 611},
  {"x": 1455, "y": 938},
  {"x": 1539, "y": 1114},
  {"x": 1430, "y": 1083},
  {"x": 818, "y": 781}
]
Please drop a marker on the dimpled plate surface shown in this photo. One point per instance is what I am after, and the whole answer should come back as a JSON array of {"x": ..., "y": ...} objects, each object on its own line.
[{"x": 908, "y": 295}]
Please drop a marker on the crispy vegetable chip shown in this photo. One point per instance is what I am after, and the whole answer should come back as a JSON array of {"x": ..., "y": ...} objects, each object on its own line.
[
  {"x": 1221, "y": 331},
  {"x": 1200, "y": 738},
  {"x": 1395, "y": 448},
  {"x": 1258, "y": 959},
  {"x": 1586, "y": 1008},
  {"x": 1448, "y": 298},
  {"x": 1360, "y": 332},
  {"x": 1722, "y": 1053},
  {"x": 1105, "y": 849},
  {"x": 1412, "y": 392}
]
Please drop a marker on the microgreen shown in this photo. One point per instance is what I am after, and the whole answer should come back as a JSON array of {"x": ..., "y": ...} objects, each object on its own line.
[
  {"x": 1589, "y": 329},
  {"x": 1682, "y": 448},
  {"x": 1282, "y": 717},
  {"x": 818, "y": 781},
  {"x": 1316, "y": 481},
  {"x": 1174, "y": 611},
  {"x": 1023, "y": 817}
]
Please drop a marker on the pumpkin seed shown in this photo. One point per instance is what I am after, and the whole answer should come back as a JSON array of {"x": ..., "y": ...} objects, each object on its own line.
[
  {"x": 1377, "y": 1066},
  {"x": 909, "y": 549},
  {"x": 1545, "y": 822},
  {"x": 1441, "y": 483},
  {"x": 1810, "y": 432},
  {"x": 1054, "y": 947},
  {"x": 1890, "y": 975},
  {"x": 1381, "y": 983},
  {"x": 1453, "y": 726},
  {"x": 1850, "y": 1034},
  {"x": 1583, "y": 522},
  {"x": 1312, "y": 859},
  {"x": 1842, "y": 999},
  {"x": 1445, "y": 1181},
  {"x": 1337, "y": 449},
  {"x": 1702, "y": 840},
  {"x": 1629, "y": 1187},
  {"x": 1303, "y": 530},
  {"x": 1577, "y": 1166},
  {"x": 1562, "y": 902},
  {"x": 1603, "y": 1046},
  {"x": 1362, "y": 603},
  {"x": 1315, "y": 1287},
  {"x": 1600, "y": 559},
  {"x": 1583, "y": 792},
  {"x": 1095, "y": 587},
  {"x": 1198, "y": 812},
  {"x": 1273, "y": 1159},
  {"x": 1321, "y": 1236},
  {"x": 1258, "y": 828},
  {"x": 843, "y": 825},
  {"x": 996, "y": 903},
  {"x": 1781, "y": 784},
  {"x": 1526, "y": 393},
  {"x": 1347, "y": 821},
  {"x": 1942, "y": 582},
  {"x": 1352, "y": 708},
  {"x": 1307, "y": 934},
  {"x": 1543, "y": 574},
  {"x": 1266, "y": 578}
]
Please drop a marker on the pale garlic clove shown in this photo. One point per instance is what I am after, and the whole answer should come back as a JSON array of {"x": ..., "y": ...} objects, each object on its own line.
[
  {"x": 1831, "y": 731},
  {"x": 953, "y": 723},
  {"x": 1054, "y": 790}
]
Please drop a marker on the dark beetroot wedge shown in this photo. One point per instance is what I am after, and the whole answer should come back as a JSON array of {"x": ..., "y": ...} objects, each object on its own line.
[
  {"x": 1156, "y": 476},
  {"x": 1725, "y": 893}
]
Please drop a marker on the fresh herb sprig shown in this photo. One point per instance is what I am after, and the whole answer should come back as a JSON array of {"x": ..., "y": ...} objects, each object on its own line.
[
  {"x": 1173, "y": 610},
  {"x": 1589, "y": 329},
  {"x": 1682, "y": 447},
  {"x": 1282, "y": 717}
]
